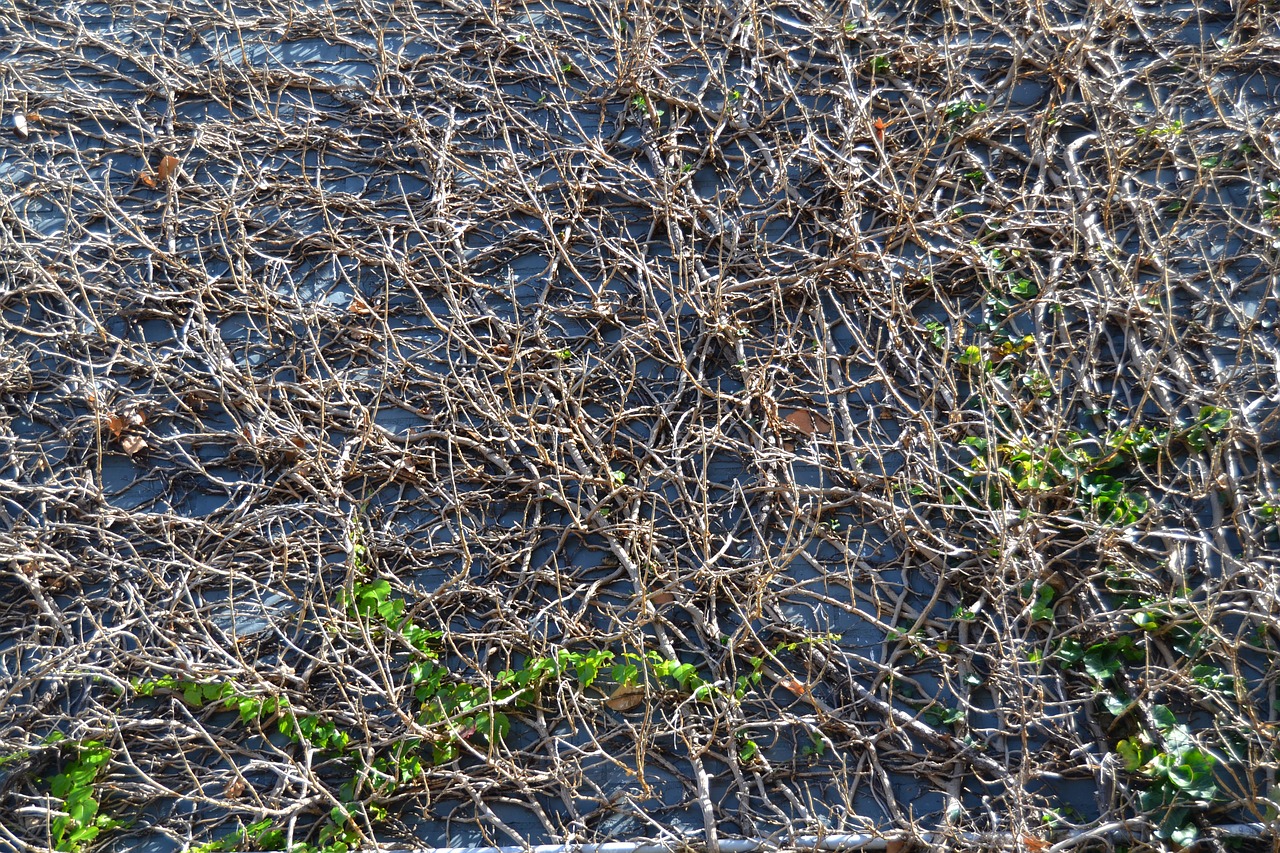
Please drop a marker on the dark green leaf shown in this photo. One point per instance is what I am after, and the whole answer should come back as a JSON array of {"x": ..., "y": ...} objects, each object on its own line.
[
  {"x": 1102, "y": 662},
  {"x": 1164, "y": 718},
  {"x": 1069, "y": 652},
  {"x": 1185, "y": 835},
  {"x": 1024, "y": 288},
  {"x": 1215, "y": 419},
  {"x": 1116, "y": 704},
  {"x": 1146, "y": 620}
]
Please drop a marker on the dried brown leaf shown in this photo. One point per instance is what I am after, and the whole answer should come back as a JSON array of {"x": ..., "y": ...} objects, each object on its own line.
[
  {"x": 660, "y": 598},
  {"x": 133, "y": 444},
  {"x": 799, "y": 688},
  {"x": 168, "y": 166},
  {"x": 808, "y": 422},
  {"x": 626, "y": 697},
  {"x": 115, "y": 424},
  {"x": 197, "y": 401}
]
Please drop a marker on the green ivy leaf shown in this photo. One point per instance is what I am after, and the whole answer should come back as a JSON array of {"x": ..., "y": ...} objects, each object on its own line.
[
  {"x": 684, "y": 673},
  {"x": 625, "y": 673},
  {"x": 1185, "y": 835},
  {"x": 1042, "y": 608},
  {"x": 1194, "y": 774},
  {"x": 1024, "y": 288},
  {"x": 391, "y": 609},
  {"x": 1069, "y": 652},
  {"x": 1116, "y": 704},
  {"x": 1133, "y": 754},
  {"x": 1211, "y": 677},
  {"x": 1164, "y": 718},
  {"x": 1146, "y": 620},
  {"x": 1103, "y": 660},
  {"x": 587, "y": 666},
  {"x": 1160, "y": 797},
  {"x": 443, "y": 753},
  {"x": 82, "y": 836},
  {"x": 1214, "y": 419}
]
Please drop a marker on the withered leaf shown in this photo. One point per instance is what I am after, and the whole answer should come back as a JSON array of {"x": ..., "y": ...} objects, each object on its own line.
[
  {"x": 115, "y": 423},
  {"x": 626, "y": 697},
  {"x": 799, "y": 688},
  {"x": 168, "y": 166},
  {"x": 660, "y": 598},
  {"x": 147, "y": 179},
  {"x": 133, "y": 444},
  {"x": 808, "y": 422},
  {"x": 404, "y": 471}
]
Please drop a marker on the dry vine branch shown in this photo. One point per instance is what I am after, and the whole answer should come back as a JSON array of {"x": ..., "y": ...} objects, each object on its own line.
[{"x": 502, "y": 423}]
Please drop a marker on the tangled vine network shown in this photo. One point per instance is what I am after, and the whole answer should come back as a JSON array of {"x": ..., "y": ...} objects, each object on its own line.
[{"x": 445, "y": 422}]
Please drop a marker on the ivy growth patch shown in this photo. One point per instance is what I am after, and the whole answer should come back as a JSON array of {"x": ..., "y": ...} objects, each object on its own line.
[{"x": 75, "y": 787}]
